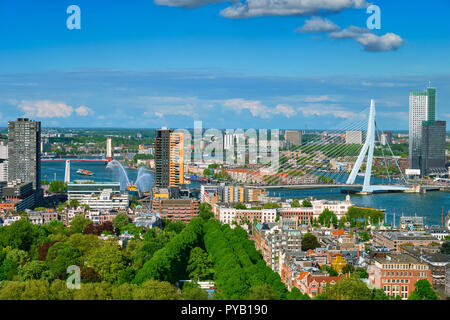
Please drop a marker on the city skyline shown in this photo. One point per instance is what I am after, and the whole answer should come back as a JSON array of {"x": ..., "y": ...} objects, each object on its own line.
[{"x": 159, "y": 65}]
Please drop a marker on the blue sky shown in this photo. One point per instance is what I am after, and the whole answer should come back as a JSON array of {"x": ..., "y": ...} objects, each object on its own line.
[{"x": 253, "y": 63}]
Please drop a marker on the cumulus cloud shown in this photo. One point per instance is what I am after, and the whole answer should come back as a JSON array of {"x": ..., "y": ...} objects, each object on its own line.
[
  {"x": 370, "y": 41},
  {"x": 50, "y": 109},
  {"x": 318, "y": 25},
  {"x": 83, "y": 111},
  {"x": 257, "y": 109},
  {"x": 326, "y": 110},
  {"x": 258, "y": 8}
]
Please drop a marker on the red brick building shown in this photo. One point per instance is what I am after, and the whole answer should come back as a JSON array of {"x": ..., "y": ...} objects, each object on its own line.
[
  {"x": 396, "y": 274},
  {"x": 176, "y": 209}
]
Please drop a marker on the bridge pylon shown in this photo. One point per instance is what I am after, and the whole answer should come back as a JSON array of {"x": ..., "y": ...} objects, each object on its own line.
[{"x": 367, "y": 149}]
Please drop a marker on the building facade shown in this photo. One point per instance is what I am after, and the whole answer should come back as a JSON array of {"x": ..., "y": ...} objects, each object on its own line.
[
  {"x": 169, "y": 158},
  {"x": 396, "y": 274},
  {"x": 176, "y": 209},
  {"x": 422, "y": 107},
  {"x": 24, "y": 151},
  {"x": 432, "y": 153}
]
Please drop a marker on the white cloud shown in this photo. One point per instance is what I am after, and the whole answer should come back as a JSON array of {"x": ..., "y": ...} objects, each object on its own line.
[
  {"x": 45, "y": 109},
  {"x": 83, "y": 111},
  {"x": 374, "y": 43},
  {"x": 370, "y": 41},
  {"x": 327, "y": 110},
  {"x": 258, "y": 8},
  {"x": 318, "y": 25},
  {"x": 257, "y": 109},
  {"x": 50, "y": 109}
]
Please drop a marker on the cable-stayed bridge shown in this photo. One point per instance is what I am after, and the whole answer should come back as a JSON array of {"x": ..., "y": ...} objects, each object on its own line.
[{"x": 340, "y": 163}]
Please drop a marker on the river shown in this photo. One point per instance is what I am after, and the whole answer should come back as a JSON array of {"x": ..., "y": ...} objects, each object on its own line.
[{"x": 429, "y": 205}]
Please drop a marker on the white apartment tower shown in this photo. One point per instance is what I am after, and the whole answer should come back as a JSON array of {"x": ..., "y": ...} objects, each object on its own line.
[{"x": 422, "y": 107}]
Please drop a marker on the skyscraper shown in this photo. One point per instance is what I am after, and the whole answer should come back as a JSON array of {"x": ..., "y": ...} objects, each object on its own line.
[
  {"x": 422, "y": 107},
  {"x": 169, "y": 162},
  {"x": 24, "y": 151},
  {"x": 432, "y": 158}
]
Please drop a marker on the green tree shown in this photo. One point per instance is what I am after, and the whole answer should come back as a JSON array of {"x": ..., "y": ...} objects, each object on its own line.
[
  {"x": 108, "y": 261},
  {"x": 309, "y": 242},
  {"x": 205, "y": 211},
  {"x": 306, "y": 204},
  {"x": 19, "y": 257},
  {"x": 57, "y": 186},
  {"x": 270, "y": 205},
  {"x": 156, "y": 290},
  {"x": 21, "y": 235},
  {"x": 206, "y": 172},
  {"x": 364, "y": 236},
  {"x": 348, "y": 268},
  {"x": 263, "y": 292},
  {"x": 296, "y": 294},
  {"x": 240, "y": 206},
  {"x": 361, "y": 272},
  {"x": 423, "y": 291},
  {"x": 445, "y": 248},
  {"x": 348, "y": 288},
  {"x": 327, "y": 217},
  {"x": 60, "y": 256},
  {"x": 74, "y": 203},
  {"x": 33, "y": 270},
  {"x": 295, "y": 203},
  {"x": 193, "y": 293},
  {"x": 199, "y": 265},
  {"x": 378, "y": 294},
  {"x": 78, "y": 223},
  {"x": 121, "y": 220}
]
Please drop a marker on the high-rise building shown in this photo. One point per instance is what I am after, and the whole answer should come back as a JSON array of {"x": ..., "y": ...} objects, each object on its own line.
[
  {"x": 432, "y": 157},
  {"x": 386, "y": 138},
  {"x": 3, "y": 162},
  {"x": 24, "y": 151},
  {"x": 422, "y": 107},
  {"x": 293, "y": 137},
  {"x": 109, "y": 149},
  {"x": 169, "y": 158},
  {"x": 354, "y": 137}
]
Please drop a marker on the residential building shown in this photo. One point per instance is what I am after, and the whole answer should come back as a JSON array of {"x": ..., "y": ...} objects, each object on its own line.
[
  {"x": 106, "y": 200},
  {"x": 274, "y": 238},
  {"x": 169, "y": 158},
  {"x": 396, "y": 274},
  {"x": 24, "y": 152},
  {"x": 227, "y": 215},
  {"x": 176, "y": 209},
  {"x": 304, "y": 215},
  {"x": 437, "y": 263},
  {"x": 17, "y": 196},
  {"x": 339, "y": 208},
  {"x": 394, "y": 239}
]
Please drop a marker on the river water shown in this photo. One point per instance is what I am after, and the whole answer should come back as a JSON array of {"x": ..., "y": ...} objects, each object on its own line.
[{"x": 429, "y": 205}]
